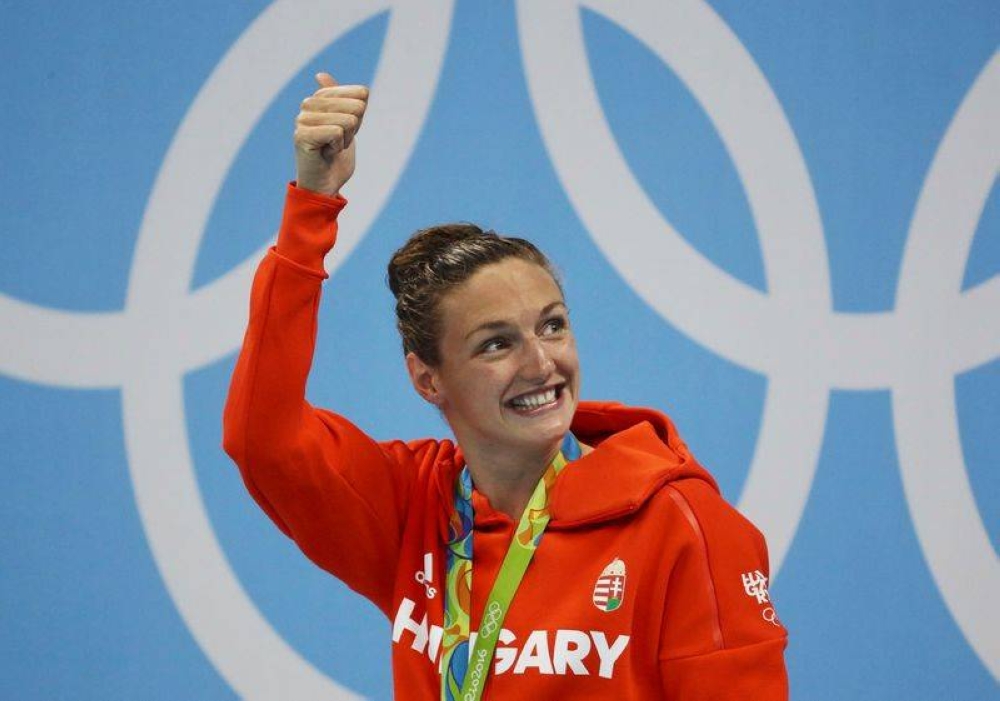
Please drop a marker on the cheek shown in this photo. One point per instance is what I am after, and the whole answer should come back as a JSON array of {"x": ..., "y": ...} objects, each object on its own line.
[
  {"x": 568, "y": 358},
  {"x": 481, "y": 386}
]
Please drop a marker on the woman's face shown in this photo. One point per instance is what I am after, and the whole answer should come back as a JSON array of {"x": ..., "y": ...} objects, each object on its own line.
[{"x": 509, "y": 376}]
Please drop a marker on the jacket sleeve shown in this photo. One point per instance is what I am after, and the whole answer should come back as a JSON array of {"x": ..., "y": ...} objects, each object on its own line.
[
  {"x": 338, "y": 493},
  {"x": 721, "y": 638}
]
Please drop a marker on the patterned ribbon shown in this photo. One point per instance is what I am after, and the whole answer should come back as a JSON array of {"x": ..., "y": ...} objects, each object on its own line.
[{"x": 456, "y": 683}]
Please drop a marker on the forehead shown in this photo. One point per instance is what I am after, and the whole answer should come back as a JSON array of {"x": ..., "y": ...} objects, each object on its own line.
[{"x": 504, "y": 291}]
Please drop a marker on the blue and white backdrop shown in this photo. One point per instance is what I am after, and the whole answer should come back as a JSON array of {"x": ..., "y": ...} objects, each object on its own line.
[{"x": 778, "y": 221}]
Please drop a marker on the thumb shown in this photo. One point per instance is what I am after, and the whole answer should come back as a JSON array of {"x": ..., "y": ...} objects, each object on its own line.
[{"x": 326, "y": 80}]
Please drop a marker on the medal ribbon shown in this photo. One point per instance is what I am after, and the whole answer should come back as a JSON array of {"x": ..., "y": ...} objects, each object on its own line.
[{"x": 463, "y": 676}]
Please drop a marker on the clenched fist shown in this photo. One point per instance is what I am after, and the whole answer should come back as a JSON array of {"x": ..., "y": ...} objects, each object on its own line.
[{"x": 324, "y": 135}]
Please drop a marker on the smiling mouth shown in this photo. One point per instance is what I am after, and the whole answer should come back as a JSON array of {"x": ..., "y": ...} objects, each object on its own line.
[{"x": 538, "y": 399}]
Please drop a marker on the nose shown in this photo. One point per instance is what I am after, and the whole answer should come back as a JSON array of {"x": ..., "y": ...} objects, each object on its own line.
[{"x": 537, "y": 365}]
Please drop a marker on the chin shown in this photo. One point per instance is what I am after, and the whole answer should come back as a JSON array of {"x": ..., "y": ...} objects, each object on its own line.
[{"x": 544, "y": 429}]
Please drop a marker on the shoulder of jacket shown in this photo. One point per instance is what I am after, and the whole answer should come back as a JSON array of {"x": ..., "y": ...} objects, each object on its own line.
[
  {"x": 724, "y": 529},
  {"x": 734, "y": 565}
]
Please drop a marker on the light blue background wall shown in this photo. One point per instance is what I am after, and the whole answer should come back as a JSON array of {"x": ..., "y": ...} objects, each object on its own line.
[{"x": 94, "y": 95}]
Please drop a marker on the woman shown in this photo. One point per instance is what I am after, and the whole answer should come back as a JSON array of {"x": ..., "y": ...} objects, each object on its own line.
[{"x": 561, "y": 549}]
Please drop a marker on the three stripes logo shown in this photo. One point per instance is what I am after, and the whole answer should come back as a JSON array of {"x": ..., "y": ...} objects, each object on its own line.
[{"x": 609, "y": 590}]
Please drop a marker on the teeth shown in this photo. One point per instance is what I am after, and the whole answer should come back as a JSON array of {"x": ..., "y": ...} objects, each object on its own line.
[{"x": 533, "y": 401}]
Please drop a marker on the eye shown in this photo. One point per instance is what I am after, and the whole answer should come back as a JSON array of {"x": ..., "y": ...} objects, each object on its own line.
[
  {"x": 494, "y": 345},
  {"x": 554, "y": 325}
]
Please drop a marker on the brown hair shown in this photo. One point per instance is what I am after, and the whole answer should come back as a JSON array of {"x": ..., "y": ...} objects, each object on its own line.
[{"x": 436, "y": 260}]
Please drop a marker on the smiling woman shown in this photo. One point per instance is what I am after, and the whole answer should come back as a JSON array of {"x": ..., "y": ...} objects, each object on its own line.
[
  {"x": 646, "y": 585},
  {"x": 487, "y": 340}
]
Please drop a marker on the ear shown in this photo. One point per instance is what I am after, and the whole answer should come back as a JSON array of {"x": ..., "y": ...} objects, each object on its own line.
[{"x": 424, "y": 379}]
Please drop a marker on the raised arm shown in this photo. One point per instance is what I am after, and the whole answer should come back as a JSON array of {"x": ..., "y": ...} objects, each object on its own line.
[{"x": 339, "y": 494}]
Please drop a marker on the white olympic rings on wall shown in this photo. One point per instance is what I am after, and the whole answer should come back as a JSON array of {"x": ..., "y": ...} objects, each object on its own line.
[
  {"x": 791, "y": 333},
  {"x": 166, "y": 331}
]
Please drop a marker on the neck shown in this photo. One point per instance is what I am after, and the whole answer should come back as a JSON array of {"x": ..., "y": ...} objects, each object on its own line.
[{"x": 508, "y": 479}]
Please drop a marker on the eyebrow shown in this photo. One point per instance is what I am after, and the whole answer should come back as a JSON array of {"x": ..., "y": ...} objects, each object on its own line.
[{"x": 500, "y": 325}]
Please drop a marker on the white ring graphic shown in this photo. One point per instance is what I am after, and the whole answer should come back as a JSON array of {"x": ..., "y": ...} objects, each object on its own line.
[
  {"x": 958, "y": 549},
  {"x": 165, "y": 330},
  {"x": 791, "y": 334},
  {"x": 242, "y": 645},
  {"x": 731, "y": 318}
]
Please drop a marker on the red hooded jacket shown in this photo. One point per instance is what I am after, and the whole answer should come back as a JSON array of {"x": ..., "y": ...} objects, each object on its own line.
[{"x": 647, "y": 584}]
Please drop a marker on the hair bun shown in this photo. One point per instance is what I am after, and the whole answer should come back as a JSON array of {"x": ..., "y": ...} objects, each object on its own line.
[{"x": 415, "y": 260}]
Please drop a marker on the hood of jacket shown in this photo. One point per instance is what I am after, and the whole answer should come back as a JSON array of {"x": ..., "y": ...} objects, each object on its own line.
[{"x": 636, "y": 451}]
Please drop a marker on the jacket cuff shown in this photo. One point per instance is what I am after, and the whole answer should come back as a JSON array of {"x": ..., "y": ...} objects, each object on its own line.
[{"x": 308, "y": 226}]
